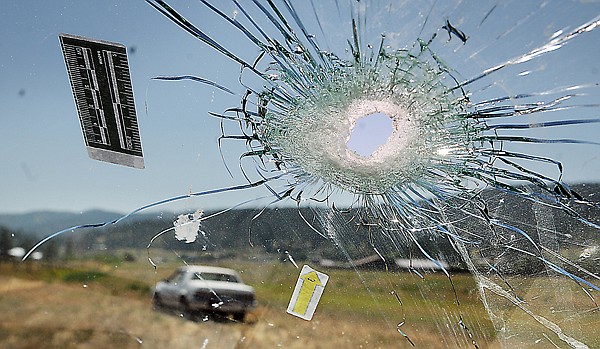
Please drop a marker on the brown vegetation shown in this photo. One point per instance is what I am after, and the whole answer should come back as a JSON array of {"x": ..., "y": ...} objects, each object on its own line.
[{"x": 75, "y": 314}]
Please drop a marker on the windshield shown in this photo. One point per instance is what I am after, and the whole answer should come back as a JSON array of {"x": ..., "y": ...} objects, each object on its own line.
[
  {"x": 215, "y": 277},
  {"x": 383, "y": 174}
]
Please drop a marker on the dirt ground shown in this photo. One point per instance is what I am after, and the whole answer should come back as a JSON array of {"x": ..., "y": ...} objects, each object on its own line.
[
  {"x": 37, "y": 314},
  {"x": 95, "y": 306}
]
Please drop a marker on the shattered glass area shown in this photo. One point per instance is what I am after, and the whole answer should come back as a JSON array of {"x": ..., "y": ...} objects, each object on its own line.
[{"x": 486, "y": 106}]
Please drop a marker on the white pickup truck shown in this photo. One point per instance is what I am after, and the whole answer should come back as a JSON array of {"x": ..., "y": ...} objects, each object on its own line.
[{"x": 205, "y": 290}]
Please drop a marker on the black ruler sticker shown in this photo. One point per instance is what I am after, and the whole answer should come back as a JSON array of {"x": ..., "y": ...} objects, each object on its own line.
[{"x": 101, "y": 84}]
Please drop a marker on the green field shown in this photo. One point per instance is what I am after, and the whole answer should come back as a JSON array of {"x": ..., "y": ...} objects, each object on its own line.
[{"x": 105, "y": 302}]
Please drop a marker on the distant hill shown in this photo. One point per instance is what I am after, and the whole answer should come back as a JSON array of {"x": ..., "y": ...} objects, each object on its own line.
[
  {"x": 38, "y": 224},
  {"x": 43, "y": 223},
  {"x": 282, "y": 230}
]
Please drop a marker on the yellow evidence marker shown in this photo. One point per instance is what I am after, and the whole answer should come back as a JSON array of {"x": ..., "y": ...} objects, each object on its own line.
[{"x": 307, "y": 293}]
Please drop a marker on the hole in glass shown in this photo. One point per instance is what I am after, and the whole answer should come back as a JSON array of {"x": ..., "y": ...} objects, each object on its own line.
[{"x": 369, "y": 133}]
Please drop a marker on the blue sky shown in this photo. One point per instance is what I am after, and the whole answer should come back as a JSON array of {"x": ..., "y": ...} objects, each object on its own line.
[{"x": 44, "y": 162}]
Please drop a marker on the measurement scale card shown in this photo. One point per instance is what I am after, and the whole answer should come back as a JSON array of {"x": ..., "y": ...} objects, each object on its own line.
[{"x": 99, "y": 76}]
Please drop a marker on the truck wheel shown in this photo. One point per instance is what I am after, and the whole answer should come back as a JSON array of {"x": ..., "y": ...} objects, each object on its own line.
[
  {"x": 156, "y": 302},
  {"x": 239, "y": 317},
  {"x": 184, "y": 307}
]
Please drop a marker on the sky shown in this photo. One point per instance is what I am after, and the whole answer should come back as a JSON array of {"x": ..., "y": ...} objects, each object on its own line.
[{"x": 44, "y": 161}]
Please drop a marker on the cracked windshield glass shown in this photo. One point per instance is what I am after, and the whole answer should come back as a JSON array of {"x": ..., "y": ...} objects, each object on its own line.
[{"x": 300, "y": 174}]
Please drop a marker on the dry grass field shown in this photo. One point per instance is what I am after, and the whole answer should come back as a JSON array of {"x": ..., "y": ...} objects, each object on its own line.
[
  {"x": 108, "y": 306},
  {"x": 103, "y": 307}
]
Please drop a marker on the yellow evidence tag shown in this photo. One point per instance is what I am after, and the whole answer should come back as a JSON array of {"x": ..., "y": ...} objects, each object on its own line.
[{"x": 307, "y": 293}]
